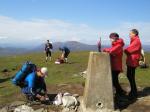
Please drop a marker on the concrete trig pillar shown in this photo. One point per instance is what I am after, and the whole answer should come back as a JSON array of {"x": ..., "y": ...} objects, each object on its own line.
[{"x": 98, "y": 91}]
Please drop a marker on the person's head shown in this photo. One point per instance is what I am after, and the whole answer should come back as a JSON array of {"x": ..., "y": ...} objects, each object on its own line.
[
  {"x": 47, "y": 41},
  {"x": 114, "y": 36},
  {"x": 134, "y": 33},
  {"x": 42, "y": 72}
]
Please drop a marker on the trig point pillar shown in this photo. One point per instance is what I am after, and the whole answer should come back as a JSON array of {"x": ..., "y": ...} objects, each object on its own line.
[{"x": 98, "y": 91}]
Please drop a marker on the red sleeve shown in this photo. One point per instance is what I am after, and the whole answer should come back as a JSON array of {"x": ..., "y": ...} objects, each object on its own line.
[
  {"x": 106, "y": 49},
  {"x": 133, "y": 47},
  {"x": 114, "y": 50}
]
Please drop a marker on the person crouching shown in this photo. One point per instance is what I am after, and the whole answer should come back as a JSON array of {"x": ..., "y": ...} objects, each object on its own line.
[{"x": 33, "y": 84}]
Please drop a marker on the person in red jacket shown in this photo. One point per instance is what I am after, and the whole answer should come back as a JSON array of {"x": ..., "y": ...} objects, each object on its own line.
[
  {"x": 116, "y": 53},
  {"x": 133, "y": 52}
]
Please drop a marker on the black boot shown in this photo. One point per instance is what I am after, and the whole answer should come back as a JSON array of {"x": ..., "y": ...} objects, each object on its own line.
[{"x": 132, "y": 96}]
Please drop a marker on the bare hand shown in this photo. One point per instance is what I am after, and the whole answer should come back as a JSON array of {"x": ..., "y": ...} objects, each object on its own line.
[{"x": 42, "y": 98}]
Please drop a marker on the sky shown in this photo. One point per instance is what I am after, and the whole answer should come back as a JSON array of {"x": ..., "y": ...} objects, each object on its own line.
[{"x": 31, "y": 22}]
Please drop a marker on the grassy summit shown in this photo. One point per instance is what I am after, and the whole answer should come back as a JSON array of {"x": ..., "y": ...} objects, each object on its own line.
[{"x": 58, "y": 74}]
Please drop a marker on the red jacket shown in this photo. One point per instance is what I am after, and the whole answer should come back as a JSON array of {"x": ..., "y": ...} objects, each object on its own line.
[
  {"x": 116, "y": 53},
  {"x": 133, "y": 52}
]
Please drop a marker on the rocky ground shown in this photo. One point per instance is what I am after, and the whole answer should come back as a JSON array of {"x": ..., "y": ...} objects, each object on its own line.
[{"x": 142, "y": 104}]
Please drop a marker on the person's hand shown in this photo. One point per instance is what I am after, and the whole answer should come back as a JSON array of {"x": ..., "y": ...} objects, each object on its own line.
[
  {"x": 46, "y": 97},
  {"x": 105, "y": 50},
  {"x": 42, "y": 98}
]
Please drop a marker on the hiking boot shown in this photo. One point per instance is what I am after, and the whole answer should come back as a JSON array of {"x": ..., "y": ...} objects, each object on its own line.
[{"x": 132, "y": 96}]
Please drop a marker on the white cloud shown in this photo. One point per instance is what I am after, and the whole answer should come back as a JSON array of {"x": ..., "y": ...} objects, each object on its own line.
[
  {"x": 124, "y": 28},
  {"x": 16, "y": 30},
  {"x": 38, "y": 30}
]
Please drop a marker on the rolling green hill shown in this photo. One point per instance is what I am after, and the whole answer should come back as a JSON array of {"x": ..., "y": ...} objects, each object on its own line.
[{"x": 58, "y": 74}]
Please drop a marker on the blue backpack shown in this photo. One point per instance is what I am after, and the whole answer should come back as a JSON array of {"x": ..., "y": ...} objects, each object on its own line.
[{"x": 20, "y": 76}]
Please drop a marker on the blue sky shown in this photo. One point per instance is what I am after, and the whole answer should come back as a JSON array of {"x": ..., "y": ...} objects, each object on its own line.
[{"x": 94, "y": 17}]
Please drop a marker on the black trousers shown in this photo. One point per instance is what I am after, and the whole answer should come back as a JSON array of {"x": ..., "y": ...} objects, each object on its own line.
[
  {"x": 39, "y": 89},
  {"x": 48, "y": 53},
  {"x": 116, "y": 84},
  {"x": 66, "y": 54},
  {"x": 131, "y": 78}
]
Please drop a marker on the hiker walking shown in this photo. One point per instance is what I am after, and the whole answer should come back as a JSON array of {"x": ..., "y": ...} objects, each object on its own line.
[
  {"x": 133, "y": 52},
  {"x": 48, "y": 50},
  {"x": 116, "y": 54},
  {"x": 31, "y": 81},
  {"x": 65, "y": 53}
]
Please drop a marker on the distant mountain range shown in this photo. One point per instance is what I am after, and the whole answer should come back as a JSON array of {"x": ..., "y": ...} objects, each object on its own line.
[
  {"x": 73, "y": 45},
  {"x": 12, "y": 51},
  {"x": 146, "y": 48}
]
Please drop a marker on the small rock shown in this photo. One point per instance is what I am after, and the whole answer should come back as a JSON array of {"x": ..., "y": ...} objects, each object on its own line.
[
  {"x": 68, "y": 110},
  {"x": 24, "y": 108},
  {"x": 4, "y": 109},
  {"x": 75, "y": 75},
  {"x": 65, "y": 110},
  {"x": 17, "y": 103}
]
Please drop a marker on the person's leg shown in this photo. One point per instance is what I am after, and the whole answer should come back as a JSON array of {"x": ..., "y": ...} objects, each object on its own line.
[
  {"x": 131, "y": 78},
  {"x": 46, "y": 56},
  {"x": 133, "y": 86},
  {"x": 119, "y": 90},
  {"x": 50, "y": 58},
  {"x": 28, "y": 95},
  {"x": 41, "y": 88},
  {"x": 66, "y": 57},
  {"x": 50, "y": 54}
]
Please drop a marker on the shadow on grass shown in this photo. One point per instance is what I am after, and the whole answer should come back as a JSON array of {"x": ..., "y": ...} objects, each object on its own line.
[
  {"x": 5, "y": 79},
  {"x": 125, "y": 102},
  {"x": 144, "y": 92},
  {"x": 2, "y": 87}
]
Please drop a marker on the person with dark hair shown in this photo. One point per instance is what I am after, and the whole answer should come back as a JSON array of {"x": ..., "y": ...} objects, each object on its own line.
[
  {"x": 116, "y": 54},
  {"x": 135, "y": 32},
  {"x": 133, "y": 52},
  {"x": 48, "y": 50}
]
